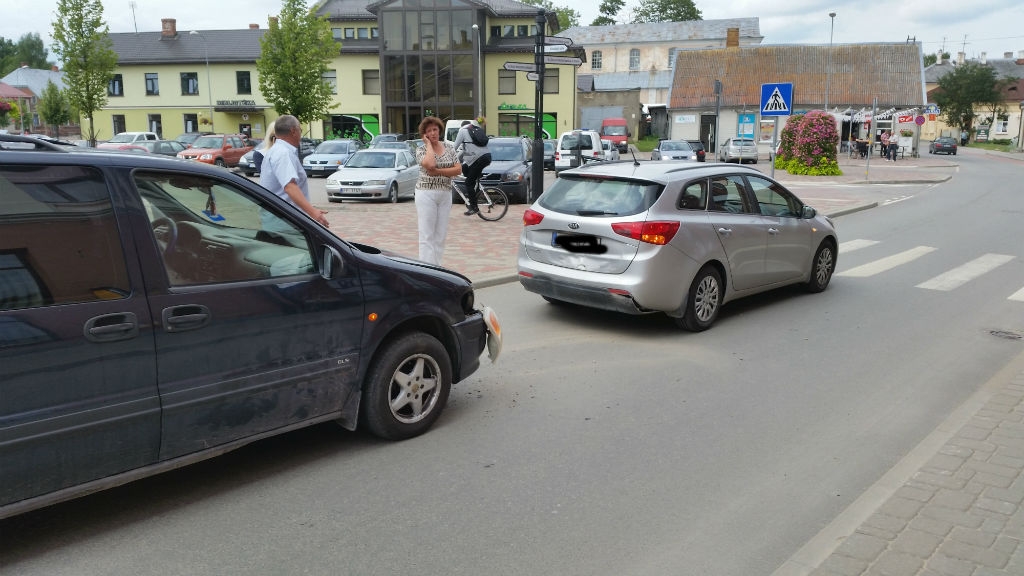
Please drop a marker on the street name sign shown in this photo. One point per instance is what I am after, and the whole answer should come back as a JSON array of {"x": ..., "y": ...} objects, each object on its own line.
[
  {"x": 556, "y": 48},
  {"x": 532, "y": 76},
  {"x": 571, "y": 60},
  {"x": 558, "y": 40},
  {"x": 520, "y": 66}
]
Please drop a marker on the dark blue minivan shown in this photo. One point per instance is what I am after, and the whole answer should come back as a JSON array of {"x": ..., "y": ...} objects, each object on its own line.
[{"x": 155, "y": 312}]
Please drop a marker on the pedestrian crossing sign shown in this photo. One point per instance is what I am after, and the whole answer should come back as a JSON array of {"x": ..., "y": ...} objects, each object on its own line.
[{"x": 776, "y": 99}]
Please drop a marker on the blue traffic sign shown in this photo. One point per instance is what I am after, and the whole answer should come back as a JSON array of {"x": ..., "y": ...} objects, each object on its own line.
[{"x": 777, "y": 99}]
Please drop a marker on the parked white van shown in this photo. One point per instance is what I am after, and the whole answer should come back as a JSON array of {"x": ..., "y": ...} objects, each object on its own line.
[
  {"x": 587, "y": 141},
  {"x": 451, "y": 130}
]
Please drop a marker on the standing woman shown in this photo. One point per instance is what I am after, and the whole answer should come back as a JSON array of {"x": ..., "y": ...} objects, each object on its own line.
[
  {"x": 261, "y": 151},
  {"x": 438, "y": 164}
]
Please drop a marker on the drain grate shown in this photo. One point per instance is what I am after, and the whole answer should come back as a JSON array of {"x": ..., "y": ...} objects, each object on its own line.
[{"x": 1005, "y": 334}]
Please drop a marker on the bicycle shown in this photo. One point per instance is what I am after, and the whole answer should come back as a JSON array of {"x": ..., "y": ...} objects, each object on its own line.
[{"x": 492, "y": 203}]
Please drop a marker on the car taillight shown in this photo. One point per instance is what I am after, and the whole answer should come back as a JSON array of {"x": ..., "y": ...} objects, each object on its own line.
[
  {"x": 658, "y": 232},
  {"x": 558, "y": 155},
  {"x": 532, "y": 217}
]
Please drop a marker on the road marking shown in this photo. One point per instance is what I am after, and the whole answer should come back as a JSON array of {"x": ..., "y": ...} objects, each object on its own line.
[
  {"x": 961, "y": 275},
  {"x": 1018, "y": 295},
  {"x": 857, "y": 244},
  {"x": 896, "y": 199},
  {"x": 884, "y": 264}
]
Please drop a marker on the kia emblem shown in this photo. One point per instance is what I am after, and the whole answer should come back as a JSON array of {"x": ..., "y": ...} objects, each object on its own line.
[{"x": 574, "y": 225}]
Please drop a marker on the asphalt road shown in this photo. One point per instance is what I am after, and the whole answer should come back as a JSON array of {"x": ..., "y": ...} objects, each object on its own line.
[{"x": 609, "y": 444}]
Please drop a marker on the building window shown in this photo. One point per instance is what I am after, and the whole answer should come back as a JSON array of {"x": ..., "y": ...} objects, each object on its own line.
[
  {"x": 551, "y": 80},
  {"x": 331, "y": 79},
  {"x": 373, "y": 32},
  {"x": 364, "y": 33},
  {"x": 336, "y": 33},
  {"x": 371, "y": 81},
  {"x": 152, "y": 85},
  {"x": 634, "y": 59},
  {"x": 508, "y": 31},
  {"x": 495, "y": 31},
  {"x": 189, "y": 83},
  {"x": 595, "y": 60},
  {"x": 350, "y": 33},
  {"x": 243, "y": 81},
  {"x": 191, "y": 122},
  {"x": 155, "y": 125},
  {"x": 116, "y": 86},
  {"x": 522, "y": 30},
  {"x": 1002, "y": 126},
  {"x": 118, "y": 120},
  {"x": 533, "y": 30},
  {"x": 506, "y": 81}
]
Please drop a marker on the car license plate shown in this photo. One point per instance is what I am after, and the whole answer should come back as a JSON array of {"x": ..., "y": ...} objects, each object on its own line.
[
  {"x": 318, "y": 167},
  {"x": 581, "y": 243}
]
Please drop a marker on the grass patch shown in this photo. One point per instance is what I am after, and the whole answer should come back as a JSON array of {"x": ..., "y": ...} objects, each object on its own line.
[
  {"x": 991, "y": 146},
  {"x": 646, "y": 144}
]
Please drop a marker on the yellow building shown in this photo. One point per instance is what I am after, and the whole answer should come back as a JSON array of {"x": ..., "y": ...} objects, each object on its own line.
[{"x": 395, "y": 65}]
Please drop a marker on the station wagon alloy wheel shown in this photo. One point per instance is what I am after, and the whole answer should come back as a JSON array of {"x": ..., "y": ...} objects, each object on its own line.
[
  {"x": 824, "y": 266},
  {"x": 704, "y": 301}
]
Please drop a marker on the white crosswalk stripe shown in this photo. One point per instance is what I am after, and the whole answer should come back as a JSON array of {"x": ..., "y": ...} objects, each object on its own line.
[
  {"x": 947, "y": 281},
  {"x": 963, "y": 274},
  {"x": 888, "y": 263}
]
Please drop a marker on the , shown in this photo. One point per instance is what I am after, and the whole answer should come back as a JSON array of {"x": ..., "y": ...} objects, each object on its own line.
[
  {"x": 738, "y": 150},
  {"x": 197, "y": 313},
  {"x": 218, "y": 149},
  {"x": 681, "y": 239},
  {"x": 329, "y": 156},
  {"x": 944, "y": 145},
  {"x": 676, "y": 150}
]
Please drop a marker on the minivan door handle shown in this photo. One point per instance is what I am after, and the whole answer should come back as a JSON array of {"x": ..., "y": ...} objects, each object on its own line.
[
  {"x": 112, "y": 327},
  {"x": 185, "y": 317}
]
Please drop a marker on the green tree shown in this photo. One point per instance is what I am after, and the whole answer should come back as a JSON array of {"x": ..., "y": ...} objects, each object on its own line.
[
  {"x": 294, "y": 56},
  {"x": 81, "y": 41},
  {"x": 665, "y": 11},
  {"x": 54, "y": 108},
  {"x": 608, "y": 9},
  {"x": 28, "y": 50},
  {"x": 567, "y": 17},
  {"x": 968, "y": 85}
]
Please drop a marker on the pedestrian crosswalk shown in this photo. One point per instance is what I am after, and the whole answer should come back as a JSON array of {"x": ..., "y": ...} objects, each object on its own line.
[{"x": 956, "y": 277}]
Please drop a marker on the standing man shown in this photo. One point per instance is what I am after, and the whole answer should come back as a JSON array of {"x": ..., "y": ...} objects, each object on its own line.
[
  {"x": 894, "y": 146},
  {"x": 282, "y": 172},
  {"x": 475, "y": 157},
  {"x": 885, "y": 144}
]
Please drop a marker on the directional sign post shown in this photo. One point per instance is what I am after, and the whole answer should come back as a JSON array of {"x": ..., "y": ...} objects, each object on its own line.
[
  {"x": 555, "y": 48},
  {"x": 558, "y": 40},
  {"x": 520, "y": 66},
  {"x": 532, "y": 76}
]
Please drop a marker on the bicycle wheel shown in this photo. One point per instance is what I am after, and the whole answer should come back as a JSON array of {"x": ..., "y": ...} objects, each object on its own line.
[{"x": 492, "y": 202}]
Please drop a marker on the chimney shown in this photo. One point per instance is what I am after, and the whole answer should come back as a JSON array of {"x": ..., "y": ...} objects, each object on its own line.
[
  {"x": 168, "y": 28},
  {"x": 732, "y": 38},
  {"x": 54, "y": 69},
  {"x": 960, "y": 57},
  {"x": 254, "y": 26},
  {"x": 983, "y": 58}
]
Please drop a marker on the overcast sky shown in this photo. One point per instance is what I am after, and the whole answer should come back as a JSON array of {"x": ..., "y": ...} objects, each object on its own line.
[{"x": 992, "y": 26}]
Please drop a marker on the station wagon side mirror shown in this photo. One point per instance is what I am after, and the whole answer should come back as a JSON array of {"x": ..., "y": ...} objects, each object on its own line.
[
  {"x": 807, "y": 213},
  {"x": 332, "y": 263}
]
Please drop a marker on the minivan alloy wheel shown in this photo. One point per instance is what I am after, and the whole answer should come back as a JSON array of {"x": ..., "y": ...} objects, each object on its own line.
[{"x": 408, "y": 387}]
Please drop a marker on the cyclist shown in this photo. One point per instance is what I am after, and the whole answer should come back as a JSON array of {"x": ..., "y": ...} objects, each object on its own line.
[{"x": 475, "y": 157}]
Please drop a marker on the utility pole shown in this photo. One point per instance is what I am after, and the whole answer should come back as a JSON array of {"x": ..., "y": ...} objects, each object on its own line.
[{"x": 537, "y": 179}]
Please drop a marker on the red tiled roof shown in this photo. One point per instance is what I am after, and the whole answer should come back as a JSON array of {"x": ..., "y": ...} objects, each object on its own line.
[
  {"x": 860, "y": 72},
  {"x": 10, "y": 92}
]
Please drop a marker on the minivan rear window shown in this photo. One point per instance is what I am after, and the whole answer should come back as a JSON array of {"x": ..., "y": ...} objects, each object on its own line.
[
  {"x": 573, "y": 141},
  {"x": 586, "y": 196}
]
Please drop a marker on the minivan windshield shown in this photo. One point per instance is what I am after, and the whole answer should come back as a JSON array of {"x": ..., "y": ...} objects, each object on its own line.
[
  {"x": 585, "y": 196},
  {"x": 614, "y": 130}
]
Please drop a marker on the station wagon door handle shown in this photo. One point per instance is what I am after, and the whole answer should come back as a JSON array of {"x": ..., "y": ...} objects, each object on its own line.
[
  {"x": 185, "y": 317},
  {"x": 773, "y": 230},
  {"x": 725, "y": 231},
  {"x": 112, "y": 327}
]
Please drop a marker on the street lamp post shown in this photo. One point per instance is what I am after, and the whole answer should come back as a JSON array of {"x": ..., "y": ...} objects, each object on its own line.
[
  {"x": 828, "y": 72},
  {"x": 479, "y": 71},
  {"x": 209, "y": 86}
]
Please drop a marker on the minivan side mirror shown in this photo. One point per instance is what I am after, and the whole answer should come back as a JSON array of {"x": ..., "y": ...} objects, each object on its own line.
[{"x": 331, "y": 264}]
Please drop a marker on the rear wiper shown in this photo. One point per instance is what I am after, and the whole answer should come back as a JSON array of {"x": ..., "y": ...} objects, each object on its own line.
[{"x": 595, "y": 213}]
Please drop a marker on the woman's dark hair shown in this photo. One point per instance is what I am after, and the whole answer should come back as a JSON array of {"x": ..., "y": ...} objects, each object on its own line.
[{"x": 428, "y": 121}]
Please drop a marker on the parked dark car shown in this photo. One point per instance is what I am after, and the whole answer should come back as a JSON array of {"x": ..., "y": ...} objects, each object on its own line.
[
  {"x": 942, "y": 145},
  {"x": 698, "y": 147},
  {"x": 155, "y": 313},
  {"x": 510, "y": 168},
  {"x": 549, "y": 154}
]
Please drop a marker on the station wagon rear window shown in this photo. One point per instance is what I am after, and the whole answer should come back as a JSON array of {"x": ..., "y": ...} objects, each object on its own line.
[{"x": 585, "y": 196}]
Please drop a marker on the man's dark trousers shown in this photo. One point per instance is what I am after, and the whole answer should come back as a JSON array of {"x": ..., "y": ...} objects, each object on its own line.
[{"x": 472, "y": 173}]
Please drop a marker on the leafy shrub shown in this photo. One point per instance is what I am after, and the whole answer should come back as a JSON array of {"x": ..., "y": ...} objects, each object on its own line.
[{"x": 808, "y": 145}]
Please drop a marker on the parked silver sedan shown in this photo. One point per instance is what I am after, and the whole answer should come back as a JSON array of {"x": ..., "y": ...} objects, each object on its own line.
[
  {"x": 738, "y": 150},
  {"x": 674, "y": 150},
  {"x": 374, "y": 174},
  {"x": 681, "y": 239}
]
